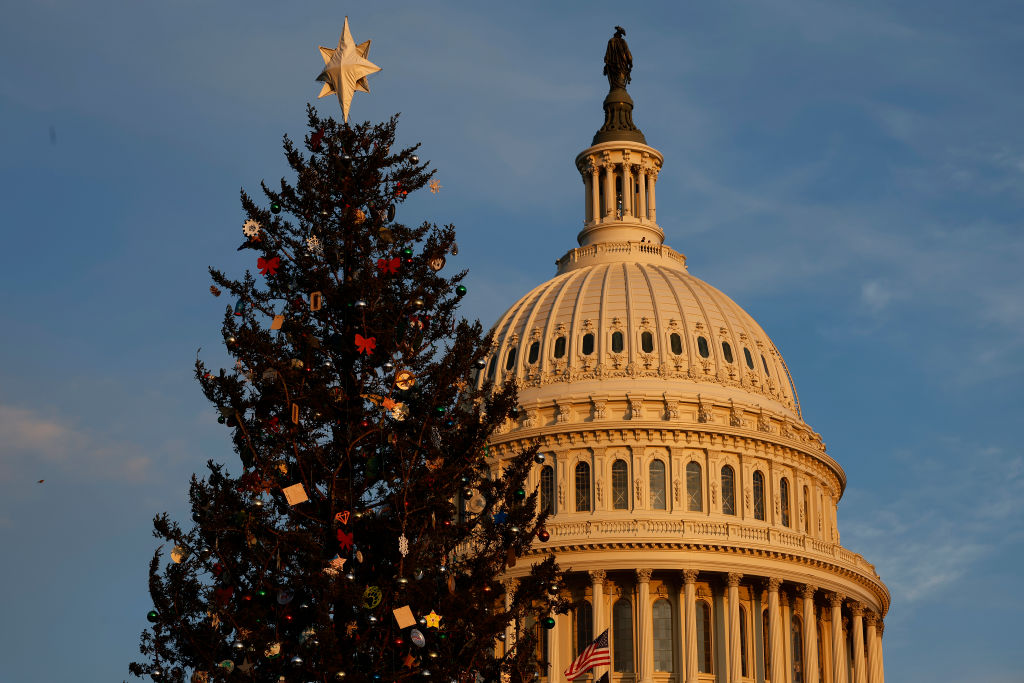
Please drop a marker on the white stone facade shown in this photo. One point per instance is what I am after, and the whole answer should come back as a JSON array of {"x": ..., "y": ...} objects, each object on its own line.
[{"x": 693, "y": 506}]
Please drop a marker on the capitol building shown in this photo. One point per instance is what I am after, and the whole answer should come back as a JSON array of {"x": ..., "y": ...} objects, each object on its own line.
[{"x": 693, "y": 508}]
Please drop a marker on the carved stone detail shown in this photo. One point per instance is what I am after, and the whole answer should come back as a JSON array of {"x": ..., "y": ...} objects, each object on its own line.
[
  {"x": 733, "y": 579},
  {"x": 599, "y": 409},
  {"x": 773, "y": 584},
  {"x": 597, "y": 575},
  {"x": 763, "y": 425},
  {"x": 836, "y": 599},
  {"x": 644, "y": 575},
  {"x": 690, "y": 575},
  {"x": 561, "y": 495},
  {"x": 807, "y": 591},
  {"x": 599, "y": 489},
  {"x": 638, "y": 492},
  {"x": 870, "y": 617},
  {"x": 677, "y": 487},
  {"x": 703, "y": 411},
  {"x": 856, "y": 608},
  {"x": 734, "y": 416}
]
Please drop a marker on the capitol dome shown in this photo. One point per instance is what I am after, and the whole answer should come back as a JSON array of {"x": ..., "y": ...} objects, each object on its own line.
[{"x": 693, "y": 508}]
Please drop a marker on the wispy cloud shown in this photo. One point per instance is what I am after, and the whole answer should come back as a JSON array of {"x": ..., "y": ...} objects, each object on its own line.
[
  {"x": 53, "y": 442},
  {"x": 945, "y": 520}
]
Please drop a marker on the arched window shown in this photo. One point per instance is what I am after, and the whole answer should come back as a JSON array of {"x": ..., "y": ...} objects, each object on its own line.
[
  {"x": 743, "y": 642},
  {"x": 559, "y": 347},
  {"x": 656, "y": 474},
  {"x": 765, "y": 364},
  {"x": 747, "y": 357},
  {"x": 758, "y": 495},
  {"x": 620, "y": 485},
  {"x": 584, "y": 627},
  {"x": 622, "y": 637},
  {"x": 662, "y": 615},
  {"x": 617, "y": 343},
  {"x": 766, "y": 645},
  {"x": 727, "y": 352},
  {"x": 694, "y": 493},
  {"x": 728, "y": 490},
  {"x": 588, "y": 344},
  {"x": 676, "y": 343},
  {"x": 807, "y": 511},
  {"x": 784, "y": 500},
  {"x": 796, "y": 638},
  {"x": 534, "y": 353},
  {"x": 510, "y": 359},
  {"x": 704, "y": 637},
  {"x": 647, "y": 342},
  {"x": 492, "y": 365},
  {"x": 702, "y": 347},
  {"x": 547, "y": 489},
  {"x": 582, "y": 487}
]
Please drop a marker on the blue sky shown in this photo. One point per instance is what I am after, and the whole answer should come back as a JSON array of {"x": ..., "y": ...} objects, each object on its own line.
[{"x": 850, "y": 173}]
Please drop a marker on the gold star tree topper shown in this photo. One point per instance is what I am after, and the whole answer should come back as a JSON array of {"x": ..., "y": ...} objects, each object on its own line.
[{"x": 346, "y": 69}]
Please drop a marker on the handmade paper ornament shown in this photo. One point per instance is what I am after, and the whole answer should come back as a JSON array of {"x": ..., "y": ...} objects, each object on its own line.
[
  {"x": 335, "y": 566},
  {"x": 179, "y": 554},
  {"x": 342, "y": 517},
  {"x": 214, "y": 290},
  {"x": 400, "y": 412},
  {"x": 200, "y": 677},
  {"x": 273, "y": 651},
  {"x": 345, "y": 539},
  {"x": 405, "y": 380},
  {"x": 285, "y": 595},
  {"x": 372, "y": 597},
  {"x": 227, "y": 665},
  {"x": 239, "y": 307},
  {"x": 433, "y": 619},
  {"x": 277, "y": 323},
  {"x": 346, "y": 69},
  {"x": 435, "y": 186},
  {"x": 314, "y": 245},
  {"x": 315, "y": 138},
  {"x": 404, "y": 617},
  {"x": 358, "y": 216},
  {"x": 295, "y": 494},
  {"x": 251, "y": 229},
  {"x": 436, "y": 263},
  {"x": 403, "y": 545},
  {"x": 295, "y": 413},
  {"x": 315, "y": 301},
  {"x": 268, "y": 266}
]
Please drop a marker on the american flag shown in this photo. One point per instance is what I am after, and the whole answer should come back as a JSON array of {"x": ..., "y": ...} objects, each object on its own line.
[{"x": 596, "y": 654}]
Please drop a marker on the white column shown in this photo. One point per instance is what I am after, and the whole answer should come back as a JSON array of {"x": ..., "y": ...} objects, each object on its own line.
[
  {"x": 646, "y": 630},
  {"x": 778, "y": 671},
  {"x": 870, "y": 618},
  {"x": 810, "y": 644},
  {"x": 881, "y": 652},
  {"x": 597, "y": 578},
  {"x": 627, "y": 189},
  {"x": 555, "y": 638},
  {"x": 787, "y": 635},
  {"x": 642, "y": 213},
  {"x": 586, "y": 197},
  {"x": 838, "y": 642},
  {"x": 690, "y": 631},
  {"x": 859, "y": 674},
  {"x": 654, "y": 201},
  {"x": 826, "y": 651},
  {"x": 735, "y": 665},
  {"x": 510, "y": 628},
  {"x": 609, "y": 192},
  {"x": 595, "y": 192}
]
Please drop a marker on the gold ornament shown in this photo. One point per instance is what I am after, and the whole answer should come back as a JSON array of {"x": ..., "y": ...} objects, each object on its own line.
[
  {"x": 435, "y": 186},
  {"x": 346, "y": 69}
]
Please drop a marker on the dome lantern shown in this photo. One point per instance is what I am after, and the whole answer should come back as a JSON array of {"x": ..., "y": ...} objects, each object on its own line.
[{"x": 619, "y": 169}]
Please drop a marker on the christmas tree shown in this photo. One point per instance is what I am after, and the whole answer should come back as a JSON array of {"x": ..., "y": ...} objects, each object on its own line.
[{"x": 365, "y": 533}]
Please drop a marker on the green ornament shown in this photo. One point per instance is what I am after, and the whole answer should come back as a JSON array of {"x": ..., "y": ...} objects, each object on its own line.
[
  {"x": 461, "y": 290},
  {"x": 262, "y": 593},
  {"x": 221, "y": 419},
  {"x": 153, "y": 616},
  {"x": 440, "y": 410},
  {"x": 407, "y": 252},
  {"x": 548, "y": 622},
  {"x": 275, "y": 207},
  {"x": 520, "y": 494}
]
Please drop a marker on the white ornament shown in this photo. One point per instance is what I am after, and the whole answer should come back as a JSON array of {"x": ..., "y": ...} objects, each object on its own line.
[
  {"x": 346, "y": 69},
  {"x": 251, "y": 228},
  {"x": 314, "y": 245},
  {"x": 403, "y": 545}
]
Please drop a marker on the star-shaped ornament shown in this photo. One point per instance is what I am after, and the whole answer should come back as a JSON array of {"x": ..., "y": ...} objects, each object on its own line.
[
  {"x": 433, "y": 619},
  {"x": 346, "y": 69}
]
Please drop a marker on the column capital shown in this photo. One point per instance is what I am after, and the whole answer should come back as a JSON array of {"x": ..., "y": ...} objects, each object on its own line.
[
  {"x": 644, "y": 575},
  {"x": 690, "y": 576},
  {"x": 734, "y": 579},
  {"x": 597, "y": 575},
  {"x": 773, "y": 584},
  {"x": 857, "y": 608},
  {"x": 870, "y": 617},
  {"x": 807, "y": 591},
  {"x": 510, "y": 584},
  {"x": 836, "y": 599},
  {"x": 880, "y": 627}
]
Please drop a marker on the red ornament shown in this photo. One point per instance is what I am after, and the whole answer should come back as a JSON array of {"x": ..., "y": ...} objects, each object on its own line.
[
  {"x": 365, "y": 344},
  {"x": 315, "y": 138},
  {"x": 389, "y": 266},
  {"x": 268, "y": 266},
  {"x": 543, "y": 535},
  {"x": 345, "y": 539}
]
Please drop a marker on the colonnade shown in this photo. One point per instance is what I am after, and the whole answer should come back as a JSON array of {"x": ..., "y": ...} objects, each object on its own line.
[
  {"x": 861, "y": 663},
  {"x": 639, "y": 196}
]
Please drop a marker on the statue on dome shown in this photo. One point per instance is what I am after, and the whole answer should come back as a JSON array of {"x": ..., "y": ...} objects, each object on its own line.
[{"x": 618, "y": 61}]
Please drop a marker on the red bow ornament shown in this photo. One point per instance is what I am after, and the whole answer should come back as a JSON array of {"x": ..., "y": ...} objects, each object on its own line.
[
  {"x": 389, "y": 266},
  {"x": 365, "y": 344},
  {"x": 345, "y": 539},
  {"x": 268, "y": 266}
]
